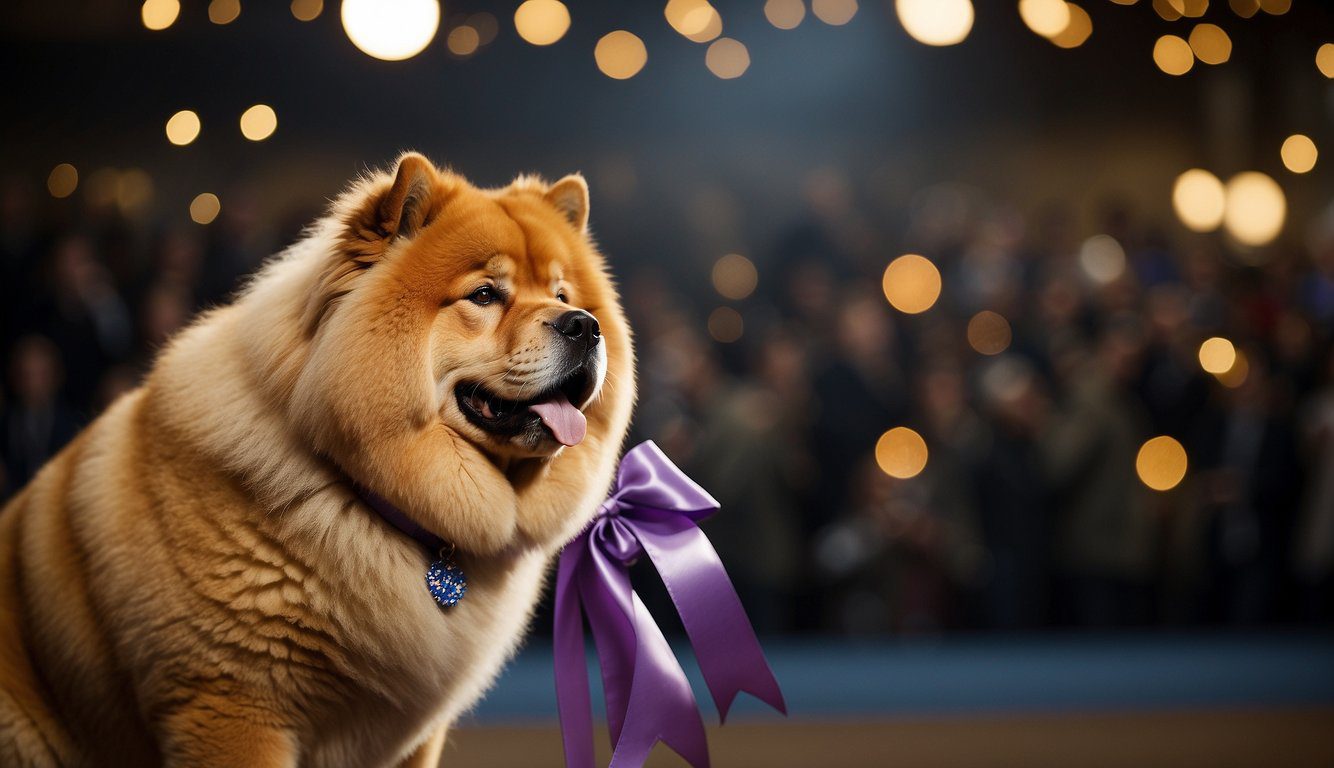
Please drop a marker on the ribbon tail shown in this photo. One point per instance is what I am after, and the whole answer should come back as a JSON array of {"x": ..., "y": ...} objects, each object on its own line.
[
  {"x": 608, "y": 602},
  {"x": 728, "y": 653},
  {"x": 573, "y": 700}
]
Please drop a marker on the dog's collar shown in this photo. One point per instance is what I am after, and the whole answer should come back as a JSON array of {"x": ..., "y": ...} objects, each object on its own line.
[{"x": 445, "y": 580}]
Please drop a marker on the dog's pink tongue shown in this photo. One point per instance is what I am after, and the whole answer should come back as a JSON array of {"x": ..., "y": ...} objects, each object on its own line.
[{"x": 565, "y": 421}]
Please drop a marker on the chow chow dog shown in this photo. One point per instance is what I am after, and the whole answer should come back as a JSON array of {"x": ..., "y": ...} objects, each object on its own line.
[{"x": 196, "y": 580}]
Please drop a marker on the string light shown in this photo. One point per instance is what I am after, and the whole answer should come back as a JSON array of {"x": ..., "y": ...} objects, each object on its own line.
[
  {"x": 259, "y": 122},
  {"x": 1199, "y": 200},
  {"x": 901, "y": 453},
  {"x": 391, "y": 30},
  {"x": 1173, "y": 55},
  {"x": 935, "y": 22},
  {"x": 989, "y": 333},
  {"x": 911, "y": 284},
  {"x": 1161, "y": 463},
  {"x": 1210, "y": 43},
  {"x": 726, "y": 325},
  {"x": 1217, "y": 355},
  {"x": 205, "y": 208},
  {"x": 727, "y": 58},
  {"x": 1255, "y": 208},
  {"x": 1045, "y": 17},
  {"x": 785, "y": 14},
  {"x": 1298, "y": 153},
  {"x": 834, "y": 12},
  {"x": 157, "y": 15},
  {"x": 620, "y": 55},
  {"x": 735, "y": 276},
  {"x": 183, "y": 127},
  {"x": 62, "y": 181},
  {"x": 224, "y": 11},
  {"x": 307, "y": 10}
]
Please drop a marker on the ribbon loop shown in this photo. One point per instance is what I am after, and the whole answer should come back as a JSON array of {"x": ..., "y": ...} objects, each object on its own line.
[{"x": 653, "y": 509}]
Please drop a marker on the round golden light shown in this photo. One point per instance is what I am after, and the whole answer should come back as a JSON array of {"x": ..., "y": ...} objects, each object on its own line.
[
  {"x": 834, "y": 12},
  {"x": 134, "y": 190},
  {"x": 463, "y": 40},
  {"x": 727, "y": 58},
  {"x": 1161, "y": 463},
  {"x": 1275, "y": 7},
  {"x": 486, "y": 25},
  {"x": 1077, "y": 31},
  {"x": 712, "y": 24},
  {"x": 935, "y": 22},
  {"x": 159, "y": 14},
  {"x": 785, "y": 14},
  {"x": 726, "y": 325},
  {"x": 1170, "y": 10},
  {"x": 542, "y": 22},
  {"x": 989, "y": 333},
  {"x": 1193, "y": 8},
  {"x": 1045, "y": 17},
  {"x": 1210, "y": 43},
  {"x": 901, "y": 453},
  {"x": 688, "y": 17},
  {"x": 1299, "y": 153},
  {"x": 224, "y": 11},
  {"x": 1236, "y": 375},
  {"x": 391, "y": 30},
  {"x": 1199, "y": 200},
  {"x": 1217, "y": 355},
  {"x": 183, "y": 127},
  {"x": 1244, "y": 8},
  {"x": 1324, "y": 60},
  {"x": 1255, "y": 208},
  {"x": 1102, "y": 258},
  {"x": 620, "y": 55},
  {"x": 205, "y": 208},
  {"x": 259, "y": 122},
  {"x": 63, "y": 180},
  {"x": 1173, "y": 55},
  {"x": 735, "y": 276},
  {"x": 307, "y": 10},
  {"x": 911, "y": 283}
]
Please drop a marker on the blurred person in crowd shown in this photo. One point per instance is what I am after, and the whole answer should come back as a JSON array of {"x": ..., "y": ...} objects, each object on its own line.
[{"x": 37, "y": 422}]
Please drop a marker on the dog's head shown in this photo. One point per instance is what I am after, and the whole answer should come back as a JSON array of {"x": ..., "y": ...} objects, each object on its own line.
[{"x": 489, "y": 311}]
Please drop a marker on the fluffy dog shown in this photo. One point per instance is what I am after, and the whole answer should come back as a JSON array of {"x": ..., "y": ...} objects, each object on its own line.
[{"x": 196, "y": 581}]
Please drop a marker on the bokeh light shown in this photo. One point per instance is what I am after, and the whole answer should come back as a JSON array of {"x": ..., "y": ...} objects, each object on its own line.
[
  {"x": 1169, "y": 10},
  {"x": 134, "y": 191},
  {"x": 620, "y": 55},
  {"x": 205, "y": 208},
  {"x": 1102, "y": 258},
  {"x": 224, "y": 11},
  {"x": 1192, "y": 8},
  {"x": 735, "y": 276},
  {"x": 391, "y": 30},
  {"x": 1199, "y": 200},
  {"x": 727, "y": 58},
  {"x": 1161, "y": 463},
  {"x": 989, "y": 333},
  {"x": 1077, "y": 31},
  {"x": 1324, "y": 60},
  {"x": 1236, "y": 375},
  {"x": 1299, "y": 153},
  {"x": 463, "y": 40},
  {"x": 785, "y": 14},
  {"x": 1217, "y": 355},
  {"x": 259, "y": 122},
  {"x": 1255, "y": 208},
  {"x": 936, "y": 22},
  {"x": 1045, "y": 17},
  {"x": 726, "y": 325},
  {"x": 1173, "y": 55},
  {"x": 63, "y": 180},
  {"x": 1244, "y": 8},
  {"x": 911, "y": 284},
  {"x": 834, "y": 12},
  {"x": 1275, "y": 7},
  {"x": 694, "y": 19},
  {"x": 159, "y": 14},
  {"x": 307, "y": 10},
  {"x": 486, "y": 25},
  {"x": 901, "y": 453},
  {"x": 1210, "y": 43},
  {"x": 542, "y": 22},
  {"x": 183, "y": 127}
]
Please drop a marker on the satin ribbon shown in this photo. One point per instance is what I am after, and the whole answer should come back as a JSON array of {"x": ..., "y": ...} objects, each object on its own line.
[{"x": 653, "y": 509}]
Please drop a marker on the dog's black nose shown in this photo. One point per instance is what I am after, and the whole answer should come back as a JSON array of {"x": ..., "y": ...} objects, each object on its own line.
[{"x": 578, "y": 325}]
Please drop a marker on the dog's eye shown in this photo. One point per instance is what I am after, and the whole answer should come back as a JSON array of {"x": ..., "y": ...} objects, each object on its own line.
[
  {"x": 483, "y": 296},
  {"x": 561, "y": 297}
]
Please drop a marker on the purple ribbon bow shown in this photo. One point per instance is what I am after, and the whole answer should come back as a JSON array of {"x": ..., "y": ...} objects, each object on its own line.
[{"x": 654, "y": 509}]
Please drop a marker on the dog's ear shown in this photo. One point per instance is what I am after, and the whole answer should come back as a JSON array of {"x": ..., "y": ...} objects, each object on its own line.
[
  {"x": 570, "y": 197},
  {"x": 404, "y": 208}
]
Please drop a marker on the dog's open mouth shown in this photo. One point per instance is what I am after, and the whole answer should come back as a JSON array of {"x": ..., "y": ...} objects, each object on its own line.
[{"x": 553, "y": 410}]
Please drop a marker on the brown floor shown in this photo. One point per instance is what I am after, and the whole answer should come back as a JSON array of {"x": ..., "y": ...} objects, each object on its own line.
[{"x": 1268, "y": 739}]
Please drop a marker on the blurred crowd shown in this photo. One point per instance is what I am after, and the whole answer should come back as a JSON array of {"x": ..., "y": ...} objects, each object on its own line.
[{"x": 1028, "y": 514}]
